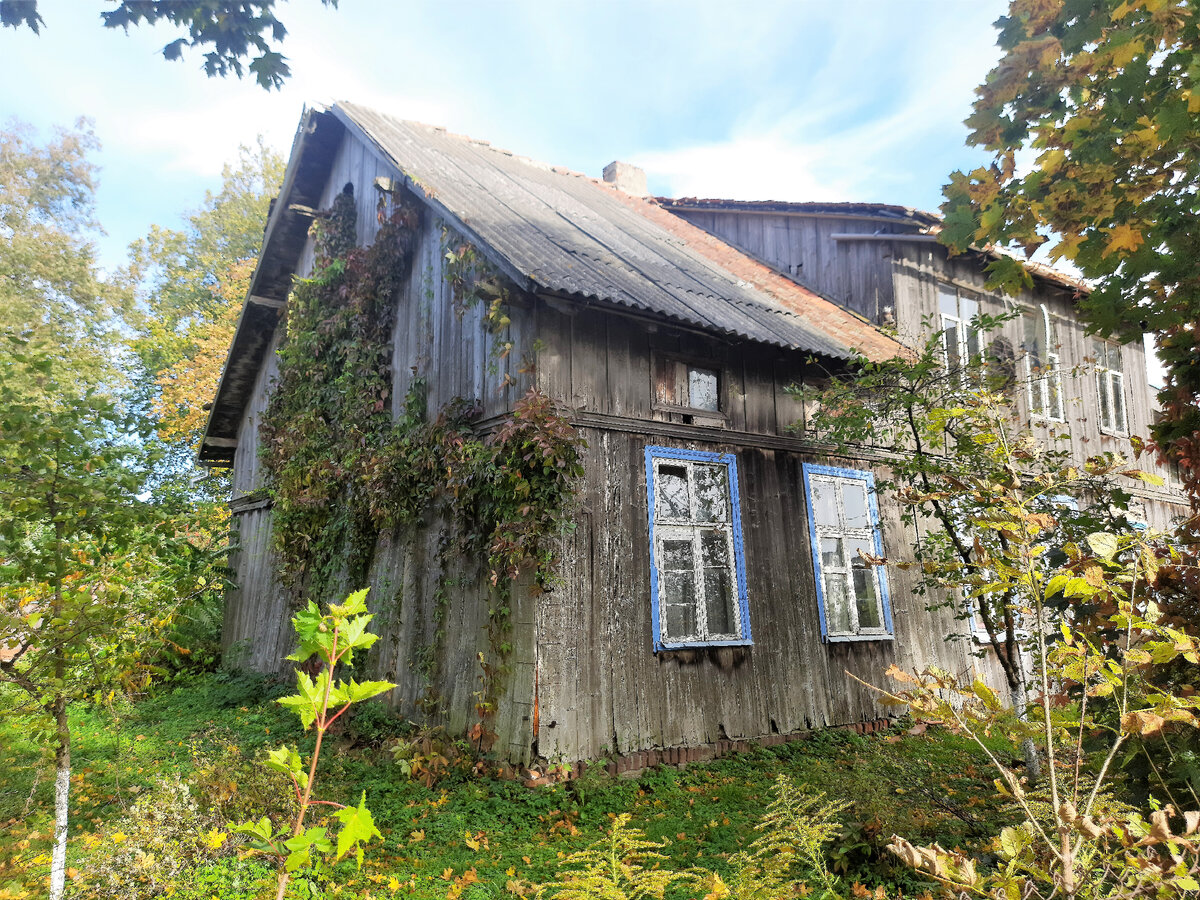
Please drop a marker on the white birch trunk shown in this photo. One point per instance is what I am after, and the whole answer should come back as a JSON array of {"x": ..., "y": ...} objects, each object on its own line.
[{"x": 62, "y": 798}]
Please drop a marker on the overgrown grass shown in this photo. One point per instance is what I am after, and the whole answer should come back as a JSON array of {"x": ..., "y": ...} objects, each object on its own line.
[{"x": 467, "y": 836}]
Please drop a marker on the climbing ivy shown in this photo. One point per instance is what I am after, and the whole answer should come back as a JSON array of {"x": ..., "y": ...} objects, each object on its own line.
[
  {"x": 331, "y": 408},
  {"x": 342, "y": 471}
]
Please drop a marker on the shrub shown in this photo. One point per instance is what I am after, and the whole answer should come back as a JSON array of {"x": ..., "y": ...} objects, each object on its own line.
[{"x": 152, "y": 849}]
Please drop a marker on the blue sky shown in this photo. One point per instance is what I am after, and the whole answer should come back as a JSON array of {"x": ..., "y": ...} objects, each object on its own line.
[{"x": 798, "y": 100}]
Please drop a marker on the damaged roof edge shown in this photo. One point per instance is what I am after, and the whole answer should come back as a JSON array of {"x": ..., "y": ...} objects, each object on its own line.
[{"x": 256, "y": 322}]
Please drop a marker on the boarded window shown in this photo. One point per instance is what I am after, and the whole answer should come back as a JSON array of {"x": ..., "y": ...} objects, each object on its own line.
[
  {"x": 843, "y": 519},
  {"x": 1110, "y": 386},
  {"x": 685, "y": 385},
  {"x": 697, "y": 572},
  {"x": 1043, "y": 365}
]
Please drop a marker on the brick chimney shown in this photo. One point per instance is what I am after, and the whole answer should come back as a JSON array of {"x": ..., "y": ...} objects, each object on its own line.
[{"x": 627, "y": 178}]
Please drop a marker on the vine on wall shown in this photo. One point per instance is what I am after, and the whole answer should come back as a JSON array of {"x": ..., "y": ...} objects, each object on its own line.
[{"x": 342, "y": 471}]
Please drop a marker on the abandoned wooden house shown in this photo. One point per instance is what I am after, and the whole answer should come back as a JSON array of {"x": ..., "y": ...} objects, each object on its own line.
[{"x": 691, "y": 605}]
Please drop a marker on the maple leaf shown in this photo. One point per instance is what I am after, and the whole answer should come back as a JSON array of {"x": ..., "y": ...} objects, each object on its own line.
[{"x": 1123, "y": 237}]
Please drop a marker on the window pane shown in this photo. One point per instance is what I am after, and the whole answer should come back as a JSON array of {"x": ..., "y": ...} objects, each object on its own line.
[
  {"x": 702, "y": 389},
  {"x": 712, "y": 493},
  {"x": 677, "y": 556},
  {"x": 718, "y": 598},
  {"x": 837, "y": 610},
  {"x": 948, "y": 300},
  {"x": 1114, "y": 358},
  {"x": 950, "y": 344},
  {"x": 854, "y": 500},
  {"x": 679, "y": 594},
  {"x": 831, "y": 554},
  {"x": 972, "y": 337},
  {"x": 1102, "y": 387},
  {"x": 1118, "y": 401},
  {"x": 714, "y": 548},
  {"x": 1054, "y": 397},
  {"x": 968, "y": 307},
  {"x": 865, "y": 593},
  {"x": 672, "y": 493},
  {"x": 1033, "y": 344},
  {"x": 824, "y": 502}
]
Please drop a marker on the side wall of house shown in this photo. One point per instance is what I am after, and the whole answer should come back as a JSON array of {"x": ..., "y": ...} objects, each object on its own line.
[
  {"x": 871, "y": 276},
  {"x": 917, "y": 272},
  {"x": 601, "y": 686},
  {"x": 848, "y": 272},
  {"x": 433, "y": 623}
]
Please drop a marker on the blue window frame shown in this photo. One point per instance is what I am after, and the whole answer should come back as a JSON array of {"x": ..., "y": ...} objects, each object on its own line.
[
  {"x": 843, "y": 519},
  {"x": 697, "y": 564}
]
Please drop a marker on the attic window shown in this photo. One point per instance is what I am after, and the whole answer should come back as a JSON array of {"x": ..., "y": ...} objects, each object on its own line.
[{"x": 684, "y": 385}]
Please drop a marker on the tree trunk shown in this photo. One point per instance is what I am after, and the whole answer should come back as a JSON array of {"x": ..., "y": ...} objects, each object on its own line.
[
  {"x": 62, "y": 795},
  {"x": 1033, "y": 761}
]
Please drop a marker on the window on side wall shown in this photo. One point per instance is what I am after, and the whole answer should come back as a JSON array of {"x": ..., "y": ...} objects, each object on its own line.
[
  {"x": 960, "y": 341},
  {"x": 1043, "y": 365},
  {"x": 1110, "y": 386},
  {"x": 697, "y": 569},
  {"x": 852, "y": 594}
]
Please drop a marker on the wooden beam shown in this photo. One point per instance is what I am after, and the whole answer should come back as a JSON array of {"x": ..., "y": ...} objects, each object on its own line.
[
  {"x": 221, "y": 442},
  {"x": 303, "y": 210},
  {"x": 268, "y": 302}
]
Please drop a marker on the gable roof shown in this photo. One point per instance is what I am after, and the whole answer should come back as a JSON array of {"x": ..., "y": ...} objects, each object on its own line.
[
  {"x": 564, "y": 233},
  {"x": 551, "y": 231}
]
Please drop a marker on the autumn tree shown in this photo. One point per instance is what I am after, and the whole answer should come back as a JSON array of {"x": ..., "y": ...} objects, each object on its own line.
[
  {"x": 228, "y": 33},
  {"x": 938, "y": 430},
  {"x": 192, "y": 282},
  {"x": 1093, "y": 117}
]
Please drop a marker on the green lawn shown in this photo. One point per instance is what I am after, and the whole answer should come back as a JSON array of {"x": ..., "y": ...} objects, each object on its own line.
[{"x": 467, "y": 836}]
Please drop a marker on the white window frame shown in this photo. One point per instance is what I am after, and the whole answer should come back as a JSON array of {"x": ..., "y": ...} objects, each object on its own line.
[
  {"x": 1110, "y": 389},
  {"x": 663, "y": 528},
  {"x": 872, "y": 534},
  {"x": 967, "y": 338},
  {"x": 1043, "y": 370}
]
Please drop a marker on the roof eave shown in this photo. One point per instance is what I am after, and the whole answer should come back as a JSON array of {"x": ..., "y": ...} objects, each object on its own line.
[{"x": 283, "y": 240}]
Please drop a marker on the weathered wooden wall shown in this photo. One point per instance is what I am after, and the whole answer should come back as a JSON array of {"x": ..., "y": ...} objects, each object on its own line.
[
  {"x": 854, "y": 274},
  {"x": 869, "y": 276},
  {"x": 917, "y": 270},
  {"x": 456, "y": 356},
  {"x": 601, "y": 687}
]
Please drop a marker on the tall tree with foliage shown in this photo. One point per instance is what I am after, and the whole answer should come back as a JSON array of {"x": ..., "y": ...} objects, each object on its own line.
[
  {"x": 51, "y": 292},
  {"x": 229, "y": 33},
  {"x": 937, "y": 430},
  {"x": 1093, "y": 117},
  {"x": 192, "y": 284},
  {"x": 90, "y": 573}
]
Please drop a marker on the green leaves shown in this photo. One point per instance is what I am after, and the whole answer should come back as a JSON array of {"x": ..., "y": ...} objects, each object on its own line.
[
  {"x": 319, "y": 701},
  {"x": 358, "y": 828}
]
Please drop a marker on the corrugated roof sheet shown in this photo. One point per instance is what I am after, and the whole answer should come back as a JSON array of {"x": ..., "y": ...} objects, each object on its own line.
[
  {"x": 806, "y": 208},
  {"x": 565, "y": 233}
]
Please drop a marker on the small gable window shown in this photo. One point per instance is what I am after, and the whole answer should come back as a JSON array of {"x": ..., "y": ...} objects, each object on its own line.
[
  {"x": 843, "y": 522},
  {"x": 697, "y": 569},
  {"x": 1110, "y": 385},
  {"x": 1042, "y": 365},
  {"x": 690, "y": 388}
]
